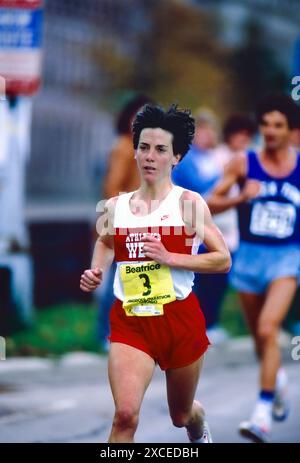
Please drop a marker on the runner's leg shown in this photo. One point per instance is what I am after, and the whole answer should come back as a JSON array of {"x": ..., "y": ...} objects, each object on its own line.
[
  {"x": 181, "y": 389},
  {"x": 130, "y": 371},
  {"x": 278, "y": 300},
  {"x": 265, "y": 322},
  {"x": 252, "y": 305}
]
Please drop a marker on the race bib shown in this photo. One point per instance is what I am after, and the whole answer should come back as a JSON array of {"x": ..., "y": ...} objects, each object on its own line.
[
  {"x": 147, "y": 287},
  {"x": 275, "y": 220}
]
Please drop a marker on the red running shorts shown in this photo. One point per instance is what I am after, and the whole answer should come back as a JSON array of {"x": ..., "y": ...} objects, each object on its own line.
[{"x": 174, "y": 340}]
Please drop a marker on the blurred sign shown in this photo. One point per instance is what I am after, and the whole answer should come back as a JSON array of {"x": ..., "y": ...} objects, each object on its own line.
[{"x": 20, "y": 45}]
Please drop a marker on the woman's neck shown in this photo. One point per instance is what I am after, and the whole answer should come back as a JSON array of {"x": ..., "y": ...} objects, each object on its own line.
[{"x": 154, "y": 191}]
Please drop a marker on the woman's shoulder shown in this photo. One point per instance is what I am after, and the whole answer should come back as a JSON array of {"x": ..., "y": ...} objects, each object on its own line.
[
  {"x": 190, "y": 195},
  {"x": 123, "y": 195}
]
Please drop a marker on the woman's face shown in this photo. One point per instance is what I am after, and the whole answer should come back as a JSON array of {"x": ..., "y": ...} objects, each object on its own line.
[{"x": 154, "y": 154}]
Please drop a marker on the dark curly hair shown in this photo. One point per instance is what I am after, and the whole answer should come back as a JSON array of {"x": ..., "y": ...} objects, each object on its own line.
[
  {"x": 178, "y": 122},
  {"x": 282, "y": 103},
  {"x": 238, "y": 122}
]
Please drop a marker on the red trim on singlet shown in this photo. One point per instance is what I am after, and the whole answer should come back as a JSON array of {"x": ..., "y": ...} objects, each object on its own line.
[{"x": 174, "y": 238}]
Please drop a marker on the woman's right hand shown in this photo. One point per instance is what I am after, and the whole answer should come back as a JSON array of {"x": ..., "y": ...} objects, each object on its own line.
[{"x": 91, "y": 279}]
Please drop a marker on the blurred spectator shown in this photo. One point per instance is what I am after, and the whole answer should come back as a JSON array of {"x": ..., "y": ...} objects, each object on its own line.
[
  {"x": 197, "y": 171},
  {"x": 238, "y": 131},
  {"x": 207, "y": 134},
  {"x": 122, "y": 176},
  {"x": 200, "y": 170}
]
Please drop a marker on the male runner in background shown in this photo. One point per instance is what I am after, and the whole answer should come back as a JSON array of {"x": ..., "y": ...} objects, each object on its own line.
[{"x": 267, "y": 264}]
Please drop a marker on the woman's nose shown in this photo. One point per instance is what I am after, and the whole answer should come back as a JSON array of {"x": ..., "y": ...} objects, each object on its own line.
[{"x": 150, "y": 155}]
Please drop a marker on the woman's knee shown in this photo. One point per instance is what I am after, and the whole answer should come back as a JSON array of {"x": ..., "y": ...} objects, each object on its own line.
[{"x": 126, "y": 418}]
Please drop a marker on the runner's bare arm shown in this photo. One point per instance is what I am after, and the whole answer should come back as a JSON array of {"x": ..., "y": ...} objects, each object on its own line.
[
  {"x": 103, "y": 254},
  {"x": 219, "y": 201},
  {"x": 118, "y": 169},
  {"x": 217, "y": 260}
]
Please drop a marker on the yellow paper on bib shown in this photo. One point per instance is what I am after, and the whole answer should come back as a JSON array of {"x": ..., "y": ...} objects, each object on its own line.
[{"x": 147, "y": 287}]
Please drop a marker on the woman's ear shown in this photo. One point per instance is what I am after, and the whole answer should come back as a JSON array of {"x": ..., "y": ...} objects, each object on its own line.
[{"x": 176, "y": 159}]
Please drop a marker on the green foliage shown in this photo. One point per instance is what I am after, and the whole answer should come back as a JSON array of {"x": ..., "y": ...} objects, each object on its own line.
[
  {"x": 181, "y": 60},
  {"x": 175, "y": 58},
  {"x": 57, "y": 330}
]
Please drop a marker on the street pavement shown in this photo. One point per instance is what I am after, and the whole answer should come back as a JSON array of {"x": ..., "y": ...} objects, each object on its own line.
[{"x": 69, "y": 400}]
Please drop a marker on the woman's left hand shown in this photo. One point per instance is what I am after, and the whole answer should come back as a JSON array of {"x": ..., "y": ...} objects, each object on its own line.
[{"x": 155, "y": 250}]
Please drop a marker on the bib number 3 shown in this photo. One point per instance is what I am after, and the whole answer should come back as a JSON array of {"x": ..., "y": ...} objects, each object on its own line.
[{"x": 147, "y": 286}]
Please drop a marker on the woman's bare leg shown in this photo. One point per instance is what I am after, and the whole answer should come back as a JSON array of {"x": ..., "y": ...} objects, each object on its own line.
[{"x": 130, "y": 371}]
